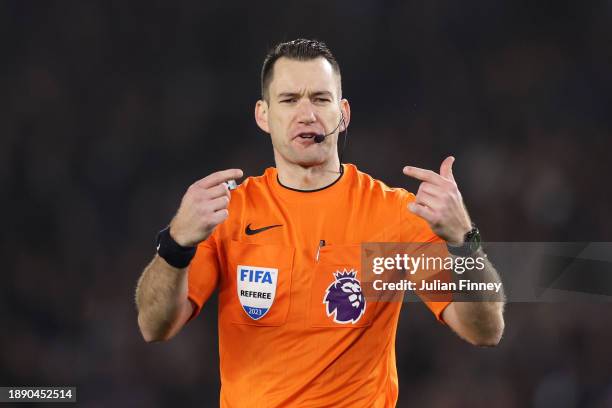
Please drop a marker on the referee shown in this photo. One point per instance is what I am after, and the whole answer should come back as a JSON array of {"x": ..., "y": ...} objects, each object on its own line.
[{"x": 283, "y": 251}]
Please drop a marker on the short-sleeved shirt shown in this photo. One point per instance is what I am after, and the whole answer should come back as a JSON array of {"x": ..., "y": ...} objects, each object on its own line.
[{"x": 283, "y": 260}]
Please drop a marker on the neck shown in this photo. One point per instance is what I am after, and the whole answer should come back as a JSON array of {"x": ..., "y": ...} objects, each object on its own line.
[{"x": 308, "y": 177}]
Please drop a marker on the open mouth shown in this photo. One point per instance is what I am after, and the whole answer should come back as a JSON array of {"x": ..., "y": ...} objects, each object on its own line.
[{"x": 306, "y": 135}]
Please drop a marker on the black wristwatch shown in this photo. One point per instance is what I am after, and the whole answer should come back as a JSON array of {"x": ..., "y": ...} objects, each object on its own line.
[
  {"x": 471, "y": 244},
  {"x": 176, "y": 255}
]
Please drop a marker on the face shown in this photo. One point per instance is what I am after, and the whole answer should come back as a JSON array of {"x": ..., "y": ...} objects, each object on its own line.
[{"x": 303, "y": 100}]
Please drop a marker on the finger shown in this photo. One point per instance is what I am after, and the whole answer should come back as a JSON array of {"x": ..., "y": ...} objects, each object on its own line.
[
  {"x": 219, "y": 177},
  {"x": 219, "y": 203},
  {"x": 220, "y": 190},
  {"x": 219, "y": 216},
  {"x": 428, "y": 200},
  {"x": 422, "y": 211},
  {"x": 446, "y": 168},
  {"x": 423, "y": 174},
  {"x": 431, "y": 189}
]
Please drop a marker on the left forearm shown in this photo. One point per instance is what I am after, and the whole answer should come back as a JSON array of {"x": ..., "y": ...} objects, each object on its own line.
[
  {"x": 476, "y": 316},
  {"x": 479, "y": 312}
]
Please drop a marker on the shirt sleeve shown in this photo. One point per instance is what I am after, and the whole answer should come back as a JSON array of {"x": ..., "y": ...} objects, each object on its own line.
[
  {"x": 203, "y": 273},
  {"x": 414, "y": 229}
]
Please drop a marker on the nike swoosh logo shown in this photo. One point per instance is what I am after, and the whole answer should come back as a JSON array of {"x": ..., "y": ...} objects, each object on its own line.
[{"x": 250, "y": 231}]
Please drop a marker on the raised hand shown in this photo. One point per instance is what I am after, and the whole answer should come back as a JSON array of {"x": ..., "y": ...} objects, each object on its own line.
[
  {"x": 203, "y": 207},
  {"x": 439, "y": 202}
]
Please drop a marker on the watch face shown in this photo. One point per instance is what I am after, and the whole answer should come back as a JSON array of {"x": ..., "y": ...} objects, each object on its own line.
[{"x": 473, "y": 239}]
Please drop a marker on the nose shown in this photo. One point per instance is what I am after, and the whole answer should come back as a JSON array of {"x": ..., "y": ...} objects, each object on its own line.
[{"x": 306, "y": 113}]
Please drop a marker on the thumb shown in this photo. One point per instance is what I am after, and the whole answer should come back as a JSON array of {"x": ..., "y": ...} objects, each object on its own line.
[{"x": 446, "y": 168}]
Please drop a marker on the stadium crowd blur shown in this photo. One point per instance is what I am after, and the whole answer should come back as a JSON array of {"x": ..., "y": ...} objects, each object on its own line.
[{"x": 111, "y": 109}]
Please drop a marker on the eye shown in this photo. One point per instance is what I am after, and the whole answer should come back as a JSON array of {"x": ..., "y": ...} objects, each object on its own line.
[
  {"x": 290, "y": 100},
  {"x": 322, "y": 100}
]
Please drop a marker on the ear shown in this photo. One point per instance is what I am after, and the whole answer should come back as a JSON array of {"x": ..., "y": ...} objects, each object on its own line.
[
  {"x": 345, "y": 108},
  {"x": 261, "y": 115}
]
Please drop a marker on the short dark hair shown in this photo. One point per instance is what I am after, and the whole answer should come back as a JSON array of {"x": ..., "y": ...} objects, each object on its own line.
[{"x": 301, "y": 50}]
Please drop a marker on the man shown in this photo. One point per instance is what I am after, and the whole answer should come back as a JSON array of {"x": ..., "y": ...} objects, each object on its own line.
[{"x": 283, "y": 250}]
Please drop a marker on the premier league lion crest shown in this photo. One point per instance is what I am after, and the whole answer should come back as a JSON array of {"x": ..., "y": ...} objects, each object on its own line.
[{"x": 344, "y": 299}]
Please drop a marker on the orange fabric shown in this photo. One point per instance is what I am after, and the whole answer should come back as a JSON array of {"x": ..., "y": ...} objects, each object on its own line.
[{"x": 296, "y": 355}]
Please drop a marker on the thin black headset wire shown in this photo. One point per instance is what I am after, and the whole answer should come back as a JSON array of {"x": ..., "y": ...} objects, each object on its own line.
[{"x": 344, "y": 143}]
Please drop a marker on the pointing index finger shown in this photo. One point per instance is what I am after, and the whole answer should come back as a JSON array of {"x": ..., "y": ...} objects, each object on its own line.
[
  {"x": 422, "y": 174},
  {"x": 219, "y": 177}
]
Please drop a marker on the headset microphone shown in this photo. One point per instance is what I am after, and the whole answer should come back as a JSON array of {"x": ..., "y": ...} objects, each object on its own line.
[{"x": 321, "y": 137}]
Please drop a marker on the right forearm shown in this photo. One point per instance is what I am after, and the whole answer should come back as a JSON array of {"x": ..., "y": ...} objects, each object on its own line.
[{"x": 161, "y": 295}]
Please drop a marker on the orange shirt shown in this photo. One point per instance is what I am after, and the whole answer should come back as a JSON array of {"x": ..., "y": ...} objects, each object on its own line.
[{"x": 285, "y": 339}]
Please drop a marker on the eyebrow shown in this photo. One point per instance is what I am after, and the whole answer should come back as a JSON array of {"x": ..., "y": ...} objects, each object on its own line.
[{"x": 296, "y": 94}]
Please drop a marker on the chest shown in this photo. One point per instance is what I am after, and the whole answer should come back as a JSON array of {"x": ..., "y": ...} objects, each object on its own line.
[{"x": 291, "y": 263}]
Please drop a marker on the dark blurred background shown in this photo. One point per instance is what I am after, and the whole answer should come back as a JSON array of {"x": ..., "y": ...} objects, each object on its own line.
[{"x": 109, "y": 110}]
